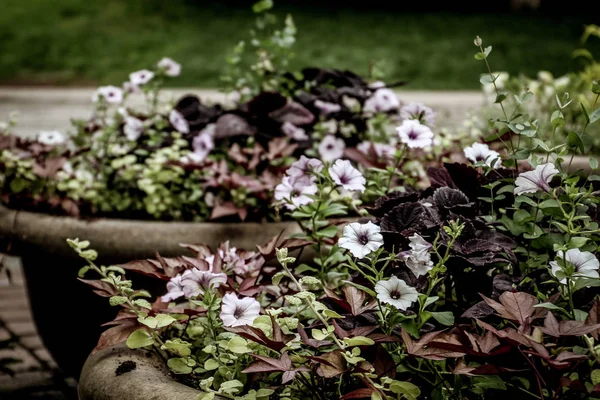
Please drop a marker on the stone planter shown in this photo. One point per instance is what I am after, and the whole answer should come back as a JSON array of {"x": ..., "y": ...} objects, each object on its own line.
[
  {"x": 120, "y": 373},
  {"x": 60, "y": 302}
]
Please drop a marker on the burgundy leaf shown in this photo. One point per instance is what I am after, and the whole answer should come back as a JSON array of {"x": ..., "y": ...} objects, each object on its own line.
[
  {"x": 103, "y": 289},
  {"x": 258, "y": 336},
  {"x": 312, "y": 342},
  {"x": 358, "y": 301},
  {"x": 267, "y": 364},
  {"x": 364, "y": 393},
  {"x": 551, "y": 326},
  {"x": 331, "y": 364},
  {"x": 593, "y": 317},
  {"x": 117, "y": 334}
]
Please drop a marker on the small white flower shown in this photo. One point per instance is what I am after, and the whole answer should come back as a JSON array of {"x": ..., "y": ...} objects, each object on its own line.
[
  {"x": 414, "y": 134},
  {"x": 179, "y": 122},
  {"x": 133, "y": 128},
  {"x": 110, "y": 94},
  {"x": 292, "y": 131},
  {"x": 376, "y": 85},
  {"x": 305, "y": 167},
  {"x": 194, "y": 281},
  {"x": 361, "y": 239},
  {"x": 174, "y": 289},
  {"x": 480, "y": 152},
  {"x": 584, "y": 264},
  {"x": 130, "y": 88},
  {"x": 344, "y": 174},
  {"x": 419, "y": 112},
  {"x": 331, "y": 148},
  {"x": 141, "y": 77},
  {"x": 202, "y": 145},
  {"x": 327, "y": 108},
  {"x": 382, "y": 150},
  {"x": 383, "y": 100},
  {"x": 538, "y": 179},
  {"x": 51, "y": 138},
  {"x": 169, "y": 66},
  {"x": 418, "y": 259},
  {"x": 239, "y": 312},
  {"x": 396, "y": 292},
  {"x": 295, "y": 191}
]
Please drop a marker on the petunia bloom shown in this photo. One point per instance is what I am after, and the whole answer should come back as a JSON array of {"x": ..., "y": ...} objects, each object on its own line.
[
  {"x": 584, "y": 264},
  {"x": 133, "y": 128},
  {"x": 305, "y": 167},
  {"x": 414, "y": 134},
  {"x": 344, "y": 174},
  {"x": 169, "y": 66},
  {"x": 331, "y": 148},
  {"x": 195, "y": 281},
  {"x": 295, "y": 190},
  {"x": 480, "y": 152},
  {"x": 293, "y": 132},
  {"x": 381, "y": 150},
  {"x": 238, "y": 312},
  {"x": 418, "y": 259},
  {"x": 396, "y": 292},
  {"x": 361, "y": 239},
  {"x": 327, "y": 108},
  {"x": 141, "y": 77},
  {"x": 538, "y": 179},
  {"x": 202, "y": 145},
  {"x": 51, "y": 138},
  {"x": 383, "y": 100},
  {"x": 110, "y": 94},
  {"x": 174, "y": 289},
  {"x": 419, "y": 112},
  {"x": 179, "y": 122}
]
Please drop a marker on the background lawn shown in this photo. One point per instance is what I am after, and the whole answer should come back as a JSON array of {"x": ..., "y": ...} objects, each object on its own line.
[{"x": 89, "y": 42}]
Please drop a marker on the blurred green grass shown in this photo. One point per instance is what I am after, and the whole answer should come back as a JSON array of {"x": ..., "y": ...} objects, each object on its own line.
[{"x": 77, "y": 42}]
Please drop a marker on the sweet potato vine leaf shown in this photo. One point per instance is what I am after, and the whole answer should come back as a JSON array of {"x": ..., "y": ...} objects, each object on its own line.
[
  {"x": 431, "y": 346},
  {"x": 331, "y": 364},
  {"x": 593, "y": 317},
  {"x": 117, "y": 334},
  {"x": 555, "y": 328},
  {"x": 357, "y": 299},
  {"x": 516, "y": 306},
  {"x": 257, "y": 335}
]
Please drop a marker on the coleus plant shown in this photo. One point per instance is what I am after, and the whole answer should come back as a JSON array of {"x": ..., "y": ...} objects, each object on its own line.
[
  {"x": 196, "y": 161},
  {"x": 482, "y": 285}
]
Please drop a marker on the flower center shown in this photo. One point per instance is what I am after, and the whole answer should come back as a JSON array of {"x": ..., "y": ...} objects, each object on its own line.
[
  {"x": 363, "y": 238},
  {"x": 413, "y": 135},
  {"x": 238, "y": 313},
  {"x": 395, "y": 294},
  {"x": 329, "y": 147},
  {"x": 479, "y": 158},
  {"x": 344, "y": 179}
]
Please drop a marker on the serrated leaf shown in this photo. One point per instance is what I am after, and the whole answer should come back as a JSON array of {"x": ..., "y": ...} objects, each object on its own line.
[{"x": 117, "y": 300}]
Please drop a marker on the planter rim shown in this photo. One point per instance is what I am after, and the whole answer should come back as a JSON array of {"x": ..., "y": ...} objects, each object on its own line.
[
  {"x": 146, "y": 378},
  {"x": 128, "y": 239}
]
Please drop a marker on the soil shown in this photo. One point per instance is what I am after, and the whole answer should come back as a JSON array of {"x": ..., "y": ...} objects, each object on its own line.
[{"x": 125, "y": 367}]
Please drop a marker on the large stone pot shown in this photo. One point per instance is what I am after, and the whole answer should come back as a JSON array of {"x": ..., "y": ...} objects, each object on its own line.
[
  {"x": 67, "y": 313},
  {"x": 118, "y": 373}
]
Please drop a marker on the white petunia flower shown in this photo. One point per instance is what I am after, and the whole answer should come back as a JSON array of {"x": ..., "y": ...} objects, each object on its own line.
[
  {"x": 51, "y": 138},
  {"x": 361, "y": 239},
  {"x": 414, "y": 134},
  {"x": 345, "y": 175},
  {"x": 110, "y": 94},
  {"x": 327, "y": 108},
  {"x": 583, "y": 263},
  {"x": 331, "y": 148},
  {"x": 396, "y": 292},
  {"x": 133, "y": 128},
  {"x": 418, "y": 259},
  {"x": 292, "y": 131},
  {"x": 202, "y": 145},
  {"x": 169, "y": 66},
  {"x": 382, "y": 150},
  {"x": 383, "y": 100},
  {"x": 130, "y": 88},
  {"x": 538, "y": 179},
  {"x": 419, "y": 112},
  {"x": 194, "y": 281},
  {"x": 179, "y": 122},
  {"x": 239, "y": 312},
  {"x": 295, "y": 191},
  {"x": 141, "y": 77},
  {"x": 174, "y": 289},
  {"x": 305, "y": 167},
  {"x": 480, "y": 152}
]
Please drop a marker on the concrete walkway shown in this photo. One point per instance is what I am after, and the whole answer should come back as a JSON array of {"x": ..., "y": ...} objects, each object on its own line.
[{"x": 50, "y": 108}]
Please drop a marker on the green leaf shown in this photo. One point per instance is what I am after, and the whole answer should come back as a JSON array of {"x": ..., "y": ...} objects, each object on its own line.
[
  {"x": 139, "y": 338},
  {"x": 17, "y": 185},
  {"x": 593, "y": 163},
  {"x": 411, "y": 327},
  {"x": 163, "y": 320},
  {"x": 550, "y": 203},
  {"x": 409, "y": 390},
  {"x": 238, "y": 345},
  {"x": 361, "y": 287},
  {"x": 480, "y": 56},
  {"x": 574, "y": 141},
  {"x": 179, "y": 366},
  {"x": 82, "y": 271},
  {"x": 277, "y": 277},
  {"x": 595, "y": 116},
  {"x": 500, "y": 98},
  {"x": 358, "y": 341},
  {"x": 211, "y": 364},
  {"x": 328, "y": 232},
  {"x": 550, "y": 306},
  {"x": 558, "y": 119},
  {"x": 595, "y": 377},
  {"x": 331, "y": 314},
  {"x": 585, "y": 113},
  {"x": 444, "y": 318},
  {"x": 143, "y": 303},
  {"x": 117, "y": 300},
  {"x": 262, "y": 5},
  {"x": 577, "y": 242}
]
